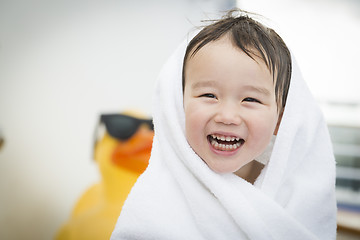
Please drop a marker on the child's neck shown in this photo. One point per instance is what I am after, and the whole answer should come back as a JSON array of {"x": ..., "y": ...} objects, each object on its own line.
[{"x": 250, "y": 171}]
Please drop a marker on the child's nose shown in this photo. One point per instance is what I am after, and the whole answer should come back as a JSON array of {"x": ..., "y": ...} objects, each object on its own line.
[{"x": 228, "y": 114}]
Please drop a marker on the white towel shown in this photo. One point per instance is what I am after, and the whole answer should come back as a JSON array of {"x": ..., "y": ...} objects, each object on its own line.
[{"x": 179, "y": 197}]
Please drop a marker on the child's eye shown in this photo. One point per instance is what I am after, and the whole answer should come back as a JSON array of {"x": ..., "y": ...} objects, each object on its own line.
[
  {"x": 208, "y": 95},
  {"x": 250, "y": 99}
]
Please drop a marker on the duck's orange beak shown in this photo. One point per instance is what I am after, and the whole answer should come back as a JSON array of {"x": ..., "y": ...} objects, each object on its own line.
[{"x": 134, "y": 153}]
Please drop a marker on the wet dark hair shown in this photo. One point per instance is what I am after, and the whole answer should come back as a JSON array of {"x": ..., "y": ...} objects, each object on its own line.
[{"x": 254, "y": 39}]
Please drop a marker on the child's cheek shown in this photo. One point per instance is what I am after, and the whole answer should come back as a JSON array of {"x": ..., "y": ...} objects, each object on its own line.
[
  {"x": 261, "y": 128},
  {"x": 192, "y": 114}
]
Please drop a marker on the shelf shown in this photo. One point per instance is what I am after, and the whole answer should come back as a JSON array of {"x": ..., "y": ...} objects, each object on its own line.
[
  {"x": 352, "y": 150},
  {"x": 348, "y": 173}
]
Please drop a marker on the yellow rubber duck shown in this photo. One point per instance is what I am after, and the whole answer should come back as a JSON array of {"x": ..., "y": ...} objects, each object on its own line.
[{"x": 122, "y": 149}]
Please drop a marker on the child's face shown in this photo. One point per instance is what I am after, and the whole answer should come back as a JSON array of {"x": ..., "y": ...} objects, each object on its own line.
[{"x": 230, "y": 107}]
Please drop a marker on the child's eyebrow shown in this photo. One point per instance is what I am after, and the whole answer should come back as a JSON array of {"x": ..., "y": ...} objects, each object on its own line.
[
  {"x": 204, "y": 84},
  {"x": 251, "y": 88},
  {"x": 261, "y": 90}
]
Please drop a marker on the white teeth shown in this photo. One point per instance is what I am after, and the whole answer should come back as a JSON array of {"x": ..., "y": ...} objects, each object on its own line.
[
  {"x": 225, "y": 138},
  {"x": 225, "y": 147}
]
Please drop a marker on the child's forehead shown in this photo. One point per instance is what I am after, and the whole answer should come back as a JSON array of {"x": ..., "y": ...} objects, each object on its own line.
[
  {"x": 228, "y": 40},
  {"x": 227, "y": 70},
  {"x": 216, "y": 49}
]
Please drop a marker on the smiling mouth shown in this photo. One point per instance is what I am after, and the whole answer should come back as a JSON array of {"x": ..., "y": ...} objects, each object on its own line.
[{"x": 225, "y": 143}]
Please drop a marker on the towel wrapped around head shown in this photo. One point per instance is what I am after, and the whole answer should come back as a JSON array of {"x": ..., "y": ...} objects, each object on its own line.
[{"x": 180, "y": 197}]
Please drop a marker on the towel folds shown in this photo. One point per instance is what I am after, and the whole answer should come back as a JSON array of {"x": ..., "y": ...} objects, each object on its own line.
[{"x": 179, "y": 197}]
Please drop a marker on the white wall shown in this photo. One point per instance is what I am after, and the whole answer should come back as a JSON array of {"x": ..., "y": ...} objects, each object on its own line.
[{"x": 61, "y": 64}]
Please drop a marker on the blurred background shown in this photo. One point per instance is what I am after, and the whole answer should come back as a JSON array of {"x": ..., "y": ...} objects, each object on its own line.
[{"x": 62, "y": 63}]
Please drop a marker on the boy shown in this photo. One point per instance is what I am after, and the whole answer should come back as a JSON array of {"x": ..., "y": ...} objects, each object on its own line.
[
  {"x": 226, "y": 104},
  {"x": 215, "y": 111}
]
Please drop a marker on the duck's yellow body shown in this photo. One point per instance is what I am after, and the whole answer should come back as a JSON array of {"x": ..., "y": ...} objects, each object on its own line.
[{"x": 120, "y": 162}]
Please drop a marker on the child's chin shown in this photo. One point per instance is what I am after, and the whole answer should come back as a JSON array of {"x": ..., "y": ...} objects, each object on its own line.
[{"x": 222, "y": 170}]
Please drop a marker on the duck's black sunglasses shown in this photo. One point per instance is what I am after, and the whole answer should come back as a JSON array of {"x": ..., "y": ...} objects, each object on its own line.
[{"x": 122, "y": 127}]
